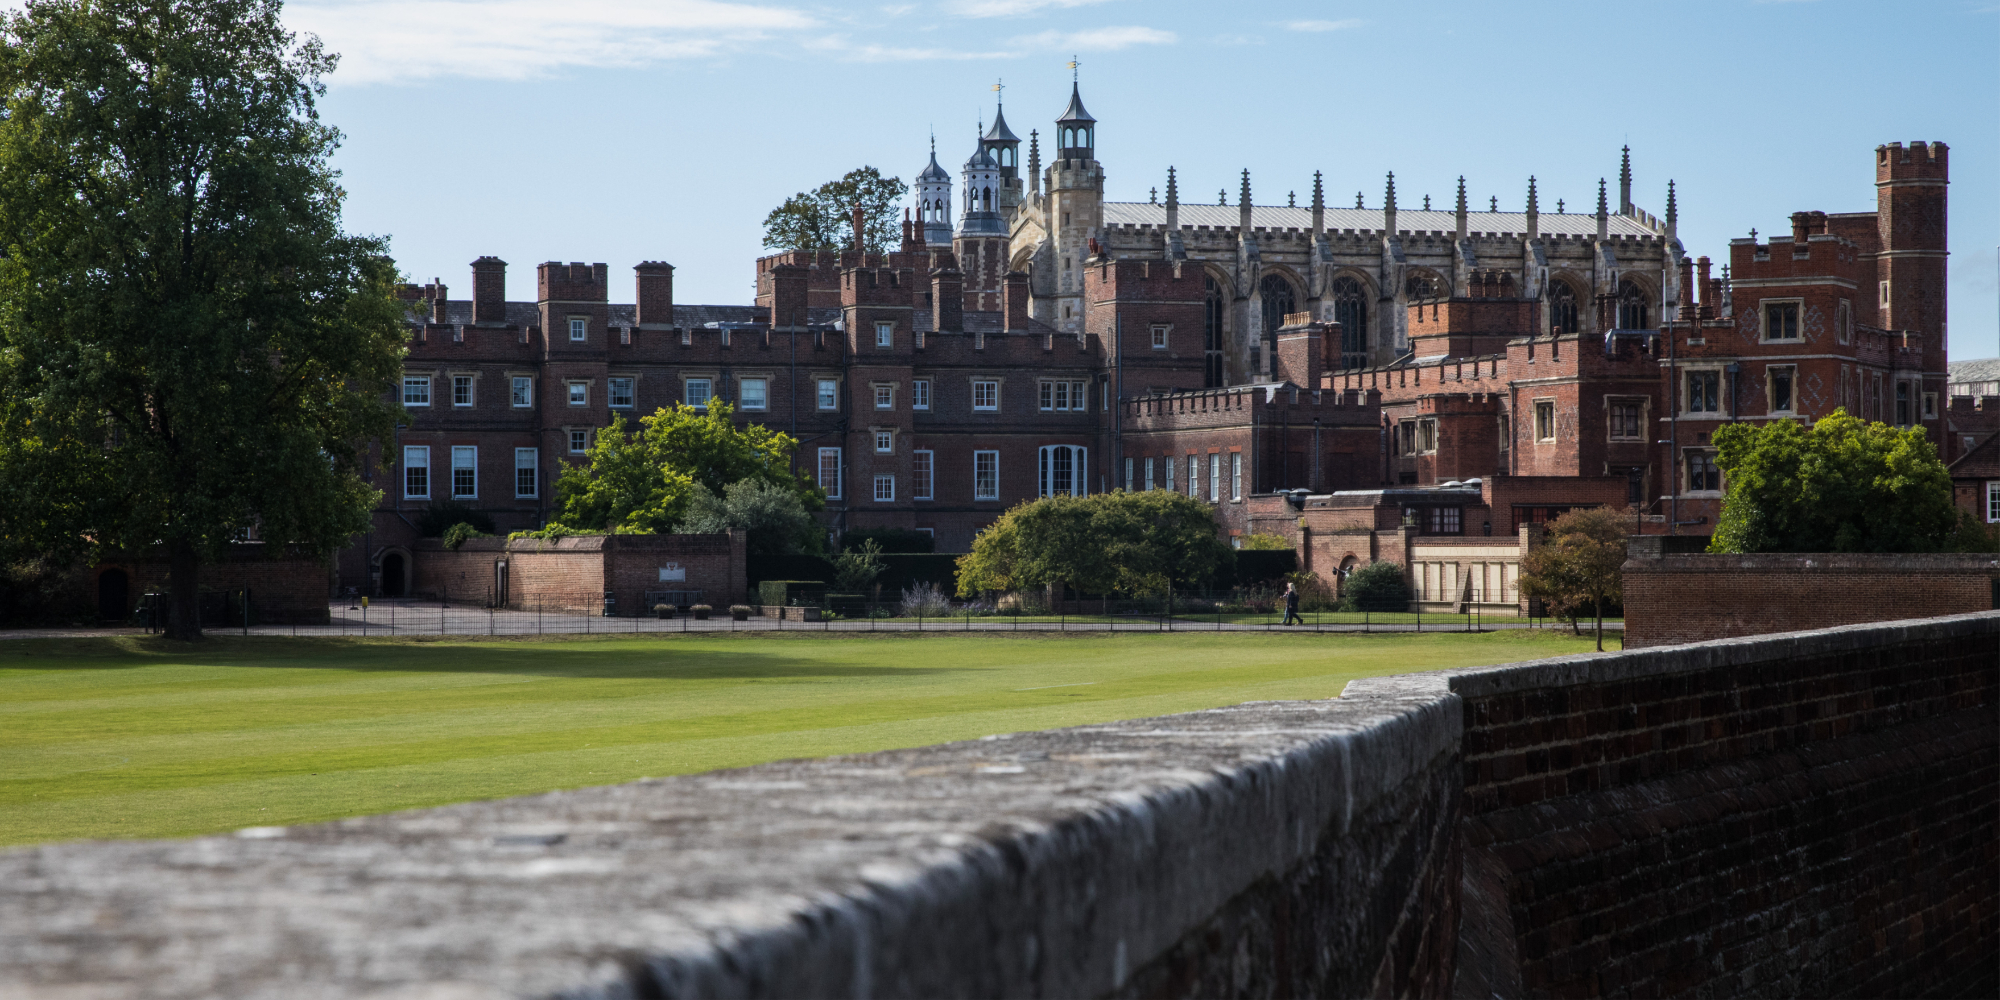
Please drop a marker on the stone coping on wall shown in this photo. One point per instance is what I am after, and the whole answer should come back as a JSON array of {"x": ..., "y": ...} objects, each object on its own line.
[
  {"x": 1816, "y": 562},
  {"x": 1047, "y": 863}
]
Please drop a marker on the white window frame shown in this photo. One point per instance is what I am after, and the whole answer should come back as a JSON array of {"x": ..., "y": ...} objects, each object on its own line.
[
  {"x": 1764, "y": 320},
  {"x": 885, "y": 487},
  {"x": 920, "y": 394},
  {"x": 1129, "y": 463},
  {"x": 1194, "y": 477},
  {"x": 989, "y": 387},
  {"x": 1993, "y": 502},
  {"x": 1160, "y": 336},
  {"x": 1235, "y": 477},
  {"x": 523, "y": 387},
  {"x": 707, "y": 391},
  {"x": 527, "y": 472},
  {"x": 828, "y": 472},
  {"x": 885, "y": 441},
  {"x": 986, "y": 482},
  {"x": 826, "y": 394},
  {"x": 578, "y": 391},
  {"x": 465, "y": 458},
  {"x": 579, "y": 440},
  {"x": 1048, "y": 459},
  {"x": 763, "y": 399},
  {"x": 421, "y": 396},
  {"x": 1149, "y": 473},
  {"x": 630, "y": 386},
  {"x": 1843, "y": 321},
  {"x": 415, "y": 457},
  {"x": 885, "y": 335},
  {"x": 467, "y": 383},
  {"x": 1167, "y": 480},
  {"x": 923, "y": 474},
  {"x": 579, "y": 329},
  {"x": 885, "y": 396},
  {"x": 1214, "y": 477}
]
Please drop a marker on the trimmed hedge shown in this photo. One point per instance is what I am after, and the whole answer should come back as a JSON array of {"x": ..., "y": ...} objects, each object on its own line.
[{"x": 788, "y": 567}]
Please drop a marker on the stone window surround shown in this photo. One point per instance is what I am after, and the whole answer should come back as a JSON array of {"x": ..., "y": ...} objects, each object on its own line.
[{"x": 1763, "y": 315}]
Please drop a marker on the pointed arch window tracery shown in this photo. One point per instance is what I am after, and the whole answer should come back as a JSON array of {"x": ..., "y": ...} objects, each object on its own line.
[
  {"x": 1350, "y": 310},
  {"x": 1212, "y": 337},
  {"x": 1562, "y": 307},
  {"x": 1633, "y": 307}
]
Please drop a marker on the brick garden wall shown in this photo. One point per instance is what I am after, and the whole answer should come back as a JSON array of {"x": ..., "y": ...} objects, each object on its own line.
[
  {"x": 283, "y": 591},
  {"x": 1671, "y": 598},
  {"x": 1802, "y": 815},
  {"x": 570, "y": 575}
]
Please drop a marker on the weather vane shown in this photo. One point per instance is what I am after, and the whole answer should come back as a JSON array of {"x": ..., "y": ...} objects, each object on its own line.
[
  {"x": 998, "y": 86},
  {"x": 1073, "y": 64}
]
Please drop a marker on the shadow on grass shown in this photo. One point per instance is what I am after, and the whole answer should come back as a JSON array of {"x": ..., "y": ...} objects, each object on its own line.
[{"x": 646, "y": 658}]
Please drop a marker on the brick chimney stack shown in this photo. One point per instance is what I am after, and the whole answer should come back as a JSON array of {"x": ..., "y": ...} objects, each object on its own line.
[
  {"x": 489, "y": 290},
  {"x": 1014, "y": 300},
  {"x": 436, "y": 292},
  {"x": 655, "y": 279},
  {"x": 947, "y": 297},
  {"x": 789, "y": 296},
  {"x": 1300, "y": 352}
]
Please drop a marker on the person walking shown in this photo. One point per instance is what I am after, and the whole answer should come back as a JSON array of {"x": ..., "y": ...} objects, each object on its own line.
[{"x": 1292, "y": 604}]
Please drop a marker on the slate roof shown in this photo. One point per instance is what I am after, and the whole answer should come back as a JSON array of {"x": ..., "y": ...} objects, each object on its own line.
[
  {"x": 458, "y": 312},
  {"x": 1975, "y": 370},
  {"x": 1140, "y": 213}
]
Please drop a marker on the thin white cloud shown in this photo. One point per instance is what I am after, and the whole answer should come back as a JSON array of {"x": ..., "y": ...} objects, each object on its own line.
[
  {"x": 1094, "y": 39},
  {"x": 1009, "y": 8},
  {"x": 397, "y": 40},
  {"x": 1112, "y": 39},
  {"x": 1322, "y": 25},
  {"x": 845, "y": 47}
]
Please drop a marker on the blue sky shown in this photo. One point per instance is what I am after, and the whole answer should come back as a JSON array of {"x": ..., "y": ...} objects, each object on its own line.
[{"x": 627, "y": 130}]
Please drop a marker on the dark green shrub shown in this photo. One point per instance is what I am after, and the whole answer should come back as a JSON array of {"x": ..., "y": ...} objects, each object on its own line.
[
  {"x": 1378, "y": 586},
  {"x": 892, "y": 540},
  {"x": 902, "y": 571},
  {"x": 442, "y": 514},
  {"x": 1263, "y": 566}
]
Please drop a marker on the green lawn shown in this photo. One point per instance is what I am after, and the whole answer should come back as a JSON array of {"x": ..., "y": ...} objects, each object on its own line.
[{"x": 134, "y": 737}]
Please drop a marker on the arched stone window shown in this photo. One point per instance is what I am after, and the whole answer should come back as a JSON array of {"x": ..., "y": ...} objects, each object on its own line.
[
  {"x": 1421, "y": 285},
  {"x": 1278, "y": 301},
  {"x": 1562, "y": 307},
  {"x": 1212, "y": 339},
  {"x": 1633, "y": 307},
  {"x": 1350, "y": 310}
]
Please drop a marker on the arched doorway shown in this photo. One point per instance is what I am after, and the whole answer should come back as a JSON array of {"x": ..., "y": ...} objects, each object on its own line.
[
  {"x": 393, "y": 575},
  {"x": 114, "y": 594}
]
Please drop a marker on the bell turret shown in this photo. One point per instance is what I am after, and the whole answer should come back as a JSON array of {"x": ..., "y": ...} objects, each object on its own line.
[
  {"x": 934, "y": 202},
  {"x": 1076, "y": 131},
  {"x": 983, "y": 194}
]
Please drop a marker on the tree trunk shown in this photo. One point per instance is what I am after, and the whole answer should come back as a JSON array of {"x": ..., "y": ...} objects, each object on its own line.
[
  {"x": 184, "y": 583},
  {"x": 1597, "y": 608}
]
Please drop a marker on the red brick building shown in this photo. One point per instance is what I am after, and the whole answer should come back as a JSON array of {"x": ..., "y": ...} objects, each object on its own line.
[{"x": 1054, "y": 343}]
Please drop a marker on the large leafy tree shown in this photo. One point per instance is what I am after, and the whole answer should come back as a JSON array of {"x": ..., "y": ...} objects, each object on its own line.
[
  {"x": 823, "y": 218},
  {"x": 1844, "y": 485},
  {"x": 680, "y": 461},
  {"x": 1580, "y": 564},
  {"x": 190, "y": 345},
  {"x": 1139, "y": 543}
]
